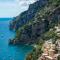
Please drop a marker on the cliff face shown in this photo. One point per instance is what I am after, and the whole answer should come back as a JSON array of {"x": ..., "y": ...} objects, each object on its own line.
[
  {"x": 44, "y": 18},
  {"x": 24, "y": 17}
]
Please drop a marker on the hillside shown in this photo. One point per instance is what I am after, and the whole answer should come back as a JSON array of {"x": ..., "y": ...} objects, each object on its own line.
[
  {"x": 26, "y": 16},
  {"x": 39, "y": 26},
  {"x": 45, "y": 17}
]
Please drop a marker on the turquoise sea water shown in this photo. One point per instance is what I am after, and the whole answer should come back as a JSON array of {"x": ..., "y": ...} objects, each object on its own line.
[{"x": 8, "y": 52}]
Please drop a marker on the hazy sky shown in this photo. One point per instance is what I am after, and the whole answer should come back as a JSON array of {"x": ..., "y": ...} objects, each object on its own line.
[{"x": 11, "y": 8}]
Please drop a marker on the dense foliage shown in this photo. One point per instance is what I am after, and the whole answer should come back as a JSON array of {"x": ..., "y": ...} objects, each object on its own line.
[
  {"x": 44, "y": 19},
  {"x": 38, "y": 29}
]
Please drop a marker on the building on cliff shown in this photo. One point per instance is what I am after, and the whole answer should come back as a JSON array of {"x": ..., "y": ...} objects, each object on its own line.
[
  {"x": 49, "y": 52},
  {"x": 58, "y": 45}
]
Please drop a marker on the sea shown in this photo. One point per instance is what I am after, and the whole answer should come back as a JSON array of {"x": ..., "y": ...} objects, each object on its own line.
[{"x": 11, "y": 52}]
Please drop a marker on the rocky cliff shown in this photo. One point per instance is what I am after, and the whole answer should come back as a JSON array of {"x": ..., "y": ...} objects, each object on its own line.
[
  {"x": 26, "y": 16},
  {"x": 29, "y": 30}
]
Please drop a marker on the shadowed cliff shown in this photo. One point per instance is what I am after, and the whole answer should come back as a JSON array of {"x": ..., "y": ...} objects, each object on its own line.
[
  {"x": 30, "y": 29},
  {"x": 24, "y": 17}
]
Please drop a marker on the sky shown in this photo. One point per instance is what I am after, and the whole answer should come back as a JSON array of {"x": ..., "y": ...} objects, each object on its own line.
[{"x": 12, "y": 8}]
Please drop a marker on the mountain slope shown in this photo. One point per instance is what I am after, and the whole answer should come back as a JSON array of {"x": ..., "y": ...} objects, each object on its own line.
[
  {"x": 44, "y": 19},
  {"x": 24, "y": 17}
]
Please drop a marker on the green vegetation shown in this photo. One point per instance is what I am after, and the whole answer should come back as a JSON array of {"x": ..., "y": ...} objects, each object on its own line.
[
  {"x": 37, "y": 51},
  {"x": 40, "y": 28},
  {"x": 51, "y": 34},
  {"x": 42, "y": 22}
]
